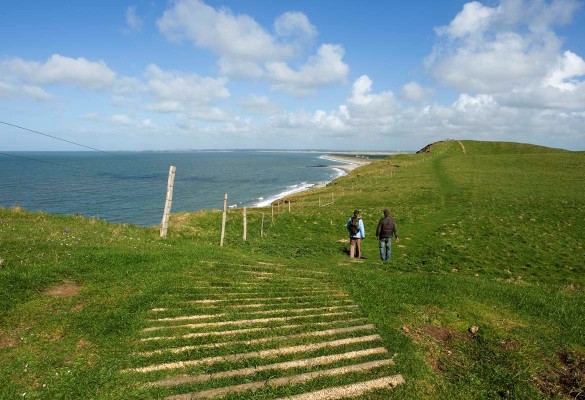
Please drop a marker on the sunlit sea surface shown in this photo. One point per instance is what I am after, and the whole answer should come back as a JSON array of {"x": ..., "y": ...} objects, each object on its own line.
[{"x": 131, "y": 187}]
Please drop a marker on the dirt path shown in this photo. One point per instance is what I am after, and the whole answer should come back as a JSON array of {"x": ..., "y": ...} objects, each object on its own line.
[{"x": 462, "y": 147}]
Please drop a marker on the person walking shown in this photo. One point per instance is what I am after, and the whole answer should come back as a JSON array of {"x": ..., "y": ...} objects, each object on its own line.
[
  {"x": 355, "y": 226},
  {"x": 384, "y": 232}
]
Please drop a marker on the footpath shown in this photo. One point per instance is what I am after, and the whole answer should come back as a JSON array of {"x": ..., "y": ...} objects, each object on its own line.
[{"x": 271, "y": 332}]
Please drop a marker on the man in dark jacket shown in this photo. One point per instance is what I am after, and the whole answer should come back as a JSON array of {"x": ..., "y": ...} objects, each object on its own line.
[{"x": 384, "y": 232}]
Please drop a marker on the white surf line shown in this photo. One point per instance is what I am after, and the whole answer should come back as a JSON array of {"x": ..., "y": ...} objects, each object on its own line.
[
  {"x": 277, "y": 311},
  {"x": 352, "y": 390},
  {"x": 283, "y": 381},
  {"x": 243, "y": 321},
  {"x": 248, "y": 330},
  {"x": 327, "y": 332},
  {"x": 256, "y": 354},
  {"x": 281, "y": 366}
]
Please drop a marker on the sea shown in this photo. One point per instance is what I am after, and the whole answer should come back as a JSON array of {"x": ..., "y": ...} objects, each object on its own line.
[{"x": 131, "y": 187}]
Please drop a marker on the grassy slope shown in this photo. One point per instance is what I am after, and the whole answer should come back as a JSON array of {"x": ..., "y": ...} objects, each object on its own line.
[{"x": 492, "y": 237}]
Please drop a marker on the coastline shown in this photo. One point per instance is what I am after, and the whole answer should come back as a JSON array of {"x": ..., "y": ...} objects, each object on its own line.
[{"x": 345, "y": 166}]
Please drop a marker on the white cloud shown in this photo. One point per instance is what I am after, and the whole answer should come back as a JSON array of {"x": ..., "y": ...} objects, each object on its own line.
[
  {"x": 229, "y": 35},
  {"x": 474, "y": 17},
  {"x": 414, "y": 92},
  {"x": 36, "y": 93},
  {"x": 367, "y": 103},
  {"x": 512, "y": 53},
  {"x": 295, "y": 24},
  {"x": 60, "y": 70},
  {"x": 121, "y": 119},
  {"x": 324, "y": 68},
  {"x": 7, "y": 90},
  {"x": 133, "y": 21},
  {"x": 247, "y": 50},
  {"x": 175, "y": 91},
  {"x": 258, "y": 105},
  {"x": 564, "y": 76}
]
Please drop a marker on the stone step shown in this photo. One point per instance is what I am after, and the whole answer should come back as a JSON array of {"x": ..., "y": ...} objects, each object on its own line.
[
  {"x": 283, "y": 381},
  {"x": 244, "y": 321},
  {"x": 353, "y": 390},
  {"x": 282, "y": 366},
  {"x": 273, "y": 311},
  {"x": 255, "y": 354},
  {"x": 328, "y": 332},
  {"x": 248, "y": 330}
]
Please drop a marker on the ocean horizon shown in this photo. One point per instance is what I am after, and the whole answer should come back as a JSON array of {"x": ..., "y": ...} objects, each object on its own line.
[{"x": 130, "y": 187}]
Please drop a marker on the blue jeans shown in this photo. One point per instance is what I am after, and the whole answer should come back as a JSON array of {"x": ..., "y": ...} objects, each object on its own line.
[{"x": 385, "y": 249}]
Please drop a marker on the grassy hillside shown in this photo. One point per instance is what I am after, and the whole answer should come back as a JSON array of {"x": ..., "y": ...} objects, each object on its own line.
[{"x": 491, "y": 235}]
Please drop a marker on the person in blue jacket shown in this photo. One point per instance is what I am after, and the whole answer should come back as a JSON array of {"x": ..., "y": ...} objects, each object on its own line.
[{"x": 357, "y": 232}]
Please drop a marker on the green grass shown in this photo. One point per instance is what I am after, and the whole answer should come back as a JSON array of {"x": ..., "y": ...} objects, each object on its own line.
[{"x": 491, "y": 237}]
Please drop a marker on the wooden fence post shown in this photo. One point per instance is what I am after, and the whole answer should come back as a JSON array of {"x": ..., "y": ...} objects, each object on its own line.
[
  {"x": 169, "y": 201},
  {"x": 289, "y": 206},
  {"x": 223, "y": 220},
  {"x": 245, "y": 224},
  {"x": 272, "y": 212}
]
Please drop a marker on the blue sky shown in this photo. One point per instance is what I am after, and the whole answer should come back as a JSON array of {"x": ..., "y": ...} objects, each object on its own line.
[{"x": 377, "y": 75}]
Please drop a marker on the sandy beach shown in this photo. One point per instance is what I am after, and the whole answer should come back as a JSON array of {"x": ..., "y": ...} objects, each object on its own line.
[{"x": 347, "y": 163}]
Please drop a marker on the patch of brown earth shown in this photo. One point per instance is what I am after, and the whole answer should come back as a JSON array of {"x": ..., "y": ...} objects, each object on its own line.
[
  {"x": 6, "y": 340},
  {"x": 65, "y": 289},
  {"x": 442, "y": 334},
  {"x": 568, "y": 379},
  {"x": 438, "y": 340}
]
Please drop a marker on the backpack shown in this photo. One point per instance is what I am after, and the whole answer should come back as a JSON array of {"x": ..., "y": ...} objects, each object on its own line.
[{"x": 354, "y": 225}]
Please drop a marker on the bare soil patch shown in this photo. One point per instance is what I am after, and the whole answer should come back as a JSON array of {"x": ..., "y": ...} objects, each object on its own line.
[
  {"x": 6, "y": 340},
  {"x": 65, "y": 289},
  {"x": 568, "y": 379},
  {"x": 442, "y": 334}
]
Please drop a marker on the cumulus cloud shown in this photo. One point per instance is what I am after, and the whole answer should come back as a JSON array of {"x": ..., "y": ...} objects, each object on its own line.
[
  {"x": 295, "y": 24},
  {"x": 565, "y": 75},
  {"x": 231, "y": 36},
  {"x": 247, "y": 50},
  {"x": 60, "y": 70},
  {"x": 510, "y": 51},
  {"x": 368, "y": 103},
  {"x": 415, "y": 93},
  {"x": 324, "y": 68},
  {"x": 175, "y": 91},
  {"x": 474, "y": 17}
]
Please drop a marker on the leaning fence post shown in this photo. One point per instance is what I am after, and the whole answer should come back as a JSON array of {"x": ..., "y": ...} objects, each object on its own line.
[
  {"x": 223, "y": 220},
  {"x": 169, "y": 201},
  {"x": 245, "y": 224}
]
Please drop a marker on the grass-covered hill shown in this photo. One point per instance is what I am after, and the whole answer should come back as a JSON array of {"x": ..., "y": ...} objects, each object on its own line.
[{"x": 492, "y": 237}]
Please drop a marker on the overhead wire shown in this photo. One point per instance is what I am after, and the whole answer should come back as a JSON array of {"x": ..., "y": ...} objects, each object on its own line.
[{"x": 58, "y": 138}]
